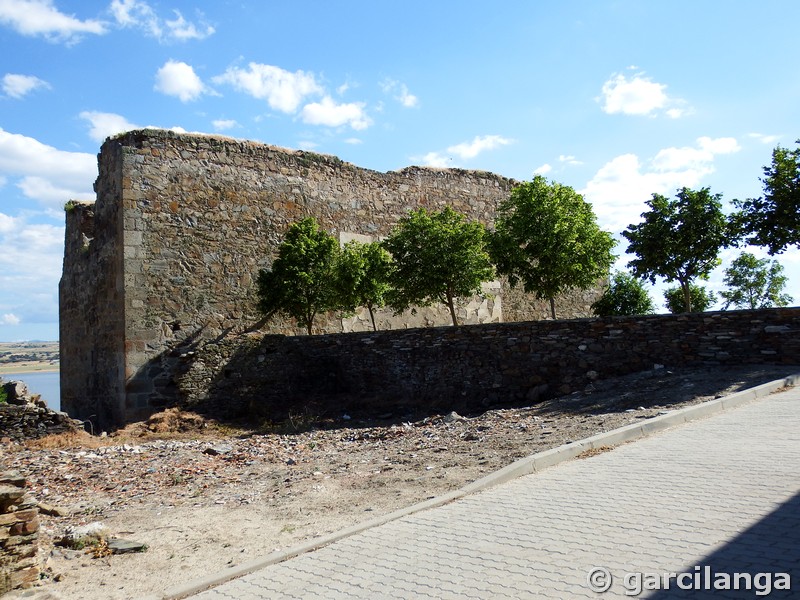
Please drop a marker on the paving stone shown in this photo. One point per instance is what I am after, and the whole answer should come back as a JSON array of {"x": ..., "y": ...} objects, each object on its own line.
[{"x": 721, "y": 492}]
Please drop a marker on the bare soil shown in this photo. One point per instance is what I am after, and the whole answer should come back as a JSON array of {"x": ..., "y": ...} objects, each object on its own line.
[{"x": 205, "y": 497}]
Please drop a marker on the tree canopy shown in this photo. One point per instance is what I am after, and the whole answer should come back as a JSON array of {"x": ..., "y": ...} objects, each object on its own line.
[
  {"x": 679, "y": 239},
  {"x": 437, "y": 257},
  {"x": 301, "y": 280},
  {"x": 755, "y": 283},
  {"x": 701, "y": 299},
  {"x": 773, "y": 220},
  {"x": 362, "y": 277},
  {"x": 548, "y": 239},
  {"x": 624, "y": 295}
]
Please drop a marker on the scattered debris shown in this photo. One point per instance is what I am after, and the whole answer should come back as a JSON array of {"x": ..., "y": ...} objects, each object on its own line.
[{"x": 321, "y": 478}]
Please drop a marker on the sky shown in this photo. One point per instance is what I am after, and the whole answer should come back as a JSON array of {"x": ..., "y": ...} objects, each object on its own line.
[{"x": 619, "y": 99}]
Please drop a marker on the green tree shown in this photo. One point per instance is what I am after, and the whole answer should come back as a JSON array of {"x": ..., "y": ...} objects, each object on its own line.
[
  {"x": 3, "y": 393},
  {"x": 437, "y": 257},
  {"x": 701, "y": 299},
  {"x": 362, "y": 277},
  {"x": 624, "y": 295},
  {"x": 301, "y": 280},
  {"x": 755, "y": 283},
  {"x": 773, "y": 220},
  {"x": 547, "y": 238},
  {"x": 679, "y": 239}
]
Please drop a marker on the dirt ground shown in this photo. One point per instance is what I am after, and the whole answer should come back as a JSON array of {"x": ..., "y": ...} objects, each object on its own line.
[{"x": 205, "y": 498}]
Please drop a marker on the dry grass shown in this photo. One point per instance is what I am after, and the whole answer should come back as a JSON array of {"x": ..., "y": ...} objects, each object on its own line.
[
  {"x": 595, "y": 451},
  {"x": 68, "y": 439}
]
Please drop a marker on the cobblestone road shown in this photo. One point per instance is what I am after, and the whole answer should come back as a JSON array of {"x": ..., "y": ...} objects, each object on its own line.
[{"x": 721, "y": 492}]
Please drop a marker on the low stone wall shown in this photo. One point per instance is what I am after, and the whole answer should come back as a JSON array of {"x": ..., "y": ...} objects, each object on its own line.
[
  {"x": 26, "y": 416},
  {"x": 29, "y": 422},
  {"x": 470, "y": 367},
  {"x": 19, "y": 534}
]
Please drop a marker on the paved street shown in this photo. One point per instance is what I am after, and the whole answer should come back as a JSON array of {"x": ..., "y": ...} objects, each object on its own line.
[{"x": 722, "y": 492}]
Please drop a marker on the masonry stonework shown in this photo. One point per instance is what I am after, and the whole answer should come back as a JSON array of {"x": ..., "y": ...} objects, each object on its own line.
[
  {"x": 473, "y": 368},
  {"x": 19, "y": 534},
  {"x": 168, "y": 254}
]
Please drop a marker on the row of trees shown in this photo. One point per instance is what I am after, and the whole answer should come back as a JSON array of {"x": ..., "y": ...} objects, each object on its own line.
[
  {"x": 546, "y": 239},
  {"x": 752, "y": 283},
  {"x": 680, "y": 241}
]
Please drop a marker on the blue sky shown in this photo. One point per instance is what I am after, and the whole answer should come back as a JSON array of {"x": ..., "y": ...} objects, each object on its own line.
[{"x": 618, "y": 99}]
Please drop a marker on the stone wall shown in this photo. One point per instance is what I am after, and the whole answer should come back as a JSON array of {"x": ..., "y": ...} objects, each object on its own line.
[
  {"x": 26, "y": 416},
  {"x": 182, "y": 223},
  {"x": 19, "y": 534},
  {"x": 471, "y": 367},
  {"x": 30, "y": 422}
]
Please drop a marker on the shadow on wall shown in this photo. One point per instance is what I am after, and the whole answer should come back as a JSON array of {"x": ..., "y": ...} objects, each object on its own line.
[
  {"x": 760, "y": 553},
  {"x": 421, "y": 372},
  {"x": 153, "y": 387},
  {"x": 266, "y": 380}
]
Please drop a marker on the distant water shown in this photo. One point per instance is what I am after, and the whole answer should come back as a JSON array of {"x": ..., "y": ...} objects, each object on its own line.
[{"x": 46, "y": 384}]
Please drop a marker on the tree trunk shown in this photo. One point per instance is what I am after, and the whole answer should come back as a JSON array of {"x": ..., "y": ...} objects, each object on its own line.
[
  {"x": 553, "y": 308},
  {"x": 372, "y": 318},
  {"x": 687, "y": 297},
  {"x": 310, "y": 321},
  {"x": 452, "y": 308}
]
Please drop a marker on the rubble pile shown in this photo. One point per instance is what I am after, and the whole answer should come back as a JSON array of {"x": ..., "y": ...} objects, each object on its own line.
[
  {"x": 26, "y": 416},
  {"x": 19, "y": 534}
]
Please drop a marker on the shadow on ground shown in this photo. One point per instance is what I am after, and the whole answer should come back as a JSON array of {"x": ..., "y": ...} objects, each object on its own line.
[
  {"x": 665, "y": 387},
  {"x": 758, "y": 554}
]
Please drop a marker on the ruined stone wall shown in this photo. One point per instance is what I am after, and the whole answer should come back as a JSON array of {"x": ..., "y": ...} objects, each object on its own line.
[
  {"x": 182, "y": 225},
  {"x": 472, "y": 367},
  {"x": 19, "y": 534},
  {"x": 91, "y": 303}
]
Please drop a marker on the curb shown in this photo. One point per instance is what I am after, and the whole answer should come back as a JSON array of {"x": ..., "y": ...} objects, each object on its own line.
[{"x": 524, "y": 466}]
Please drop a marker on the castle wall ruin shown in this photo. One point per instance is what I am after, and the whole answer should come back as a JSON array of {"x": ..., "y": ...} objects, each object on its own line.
[{"x": 168, "y": 254}]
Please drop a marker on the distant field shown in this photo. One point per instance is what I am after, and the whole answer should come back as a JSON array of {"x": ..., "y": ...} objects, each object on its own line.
[{"x": 27, "y": 357}]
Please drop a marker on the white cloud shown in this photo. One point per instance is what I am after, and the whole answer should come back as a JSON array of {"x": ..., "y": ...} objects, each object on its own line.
[
  {"x": 224, "y": 124},
  {"x": 48, "y": 175},
  {"x": 569, "y": 159},
  {"x": 307, "y": 145},
  {"x": 327, "y": 112},
  {"x": 283, "y": 90},
  {"x": 7, "y": 223},
  {"x": 41, "y": 18},
  {"x": 723, "y": 145},
  {"x": 764, "y": 139},
  {"x": 353, "y": 141},
  {"x": 467, "y": 150},
  {"x": 180, "y": 29},
  {"x": 10, "y": 319},
  {"x": 694, "y": 160},
  {"x": 639, "y": 95},
  {"x": 400, "y": 93},
  {"x": 677, "y": 113},
  {"x": 104, "y": 125},
  {"x": 30, "y": 267},
  {"x": 133, "y": 13},
  {"x": 463, "y": 151},
  {"x": 435, "y": 159},
  {"x": 619, "y": 189},
  {"x": 543, "y": 170},
  {"x": 179, "y": 79},
  {"x": 17, "y": 86},
  {"x": 139, "y": 14}
]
